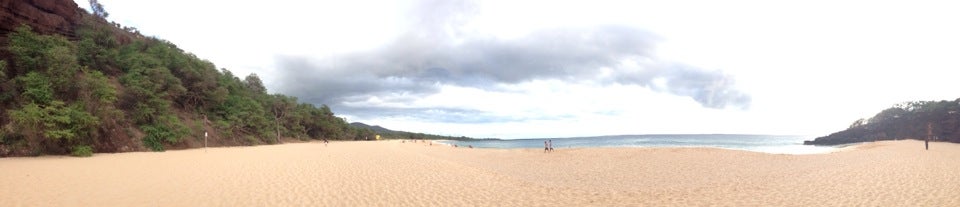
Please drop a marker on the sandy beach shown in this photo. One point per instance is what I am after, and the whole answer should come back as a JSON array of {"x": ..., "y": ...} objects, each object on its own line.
[{"x": 391, "y": 173}]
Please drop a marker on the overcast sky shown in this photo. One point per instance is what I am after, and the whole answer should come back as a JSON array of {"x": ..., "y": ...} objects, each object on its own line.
[{"x": 523, "y": 69}]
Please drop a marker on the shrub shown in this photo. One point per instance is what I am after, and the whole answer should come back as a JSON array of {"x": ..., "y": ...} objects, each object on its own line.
[
  {"x": 36, "y": 87},
  {"x": 82, "y": 151},
  {"x": 155, "y": 136},
  {"x": 54, "y": 122},
  {"x": 251, "y": 140},
  {"x": 271, "y": 139}
]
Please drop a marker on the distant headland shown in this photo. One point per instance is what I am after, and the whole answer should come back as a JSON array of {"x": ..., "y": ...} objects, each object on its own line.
[{"x": 903, "y": 121}]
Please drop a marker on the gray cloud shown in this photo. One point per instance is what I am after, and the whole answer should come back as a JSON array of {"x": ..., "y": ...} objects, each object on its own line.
[
  {"x": 712, "y": 89},
  {"x": 436, "y": 53},
  {"x": 442, "y": 114}
]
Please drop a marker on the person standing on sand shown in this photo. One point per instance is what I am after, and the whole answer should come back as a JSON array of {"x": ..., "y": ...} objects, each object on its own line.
[
  {"x": 926, "y": 142},
  {"x": 546, "y": 147}
]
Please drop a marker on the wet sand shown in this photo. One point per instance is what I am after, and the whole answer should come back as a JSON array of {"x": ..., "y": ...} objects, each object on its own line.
[{"x": 391, "y": 173}]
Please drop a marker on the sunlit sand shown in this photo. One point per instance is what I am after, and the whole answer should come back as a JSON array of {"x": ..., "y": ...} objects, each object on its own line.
[{"x": 391, "y": 173}]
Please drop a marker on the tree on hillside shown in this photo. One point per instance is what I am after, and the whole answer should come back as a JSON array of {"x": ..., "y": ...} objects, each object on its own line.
[
  {"x": 331, "y": 126},
  {"x": 281, "y": 106},
  {"x": 6, "y": 86},
  {"x": 46, "y": 108},
  {"x": 254, "y": 83},
  {"x": 97, "y": 9}
]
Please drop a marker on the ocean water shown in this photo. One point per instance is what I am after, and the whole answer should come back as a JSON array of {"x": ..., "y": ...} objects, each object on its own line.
[{"x": 774, "y": 144}]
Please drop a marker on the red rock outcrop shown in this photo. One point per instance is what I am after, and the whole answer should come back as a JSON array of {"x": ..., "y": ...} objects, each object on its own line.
[{"x": 44, "y": 16}]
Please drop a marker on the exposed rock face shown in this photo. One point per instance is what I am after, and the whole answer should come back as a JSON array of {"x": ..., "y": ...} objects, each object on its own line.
[{"x": 44, "y": 16}]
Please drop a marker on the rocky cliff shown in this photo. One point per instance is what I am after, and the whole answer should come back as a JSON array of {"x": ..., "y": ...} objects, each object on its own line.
[{"x": 44, "y": 16}]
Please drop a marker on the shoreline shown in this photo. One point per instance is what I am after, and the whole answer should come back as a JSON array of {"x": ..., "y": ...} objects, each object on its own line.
[
  {"x": 777, "y": 149},
  {"x": 440, "y": 143},
  {"x": 393, "y": 173}
]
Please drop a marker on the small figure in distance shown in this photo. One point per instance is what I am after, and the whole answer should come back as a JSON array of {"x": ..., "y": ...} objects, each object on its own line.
[
  {"x": 926, "y": 142},
  {"x": 325, "y": 142},
  {"x": 550, "y": 145},
  {"x": 471, "y": 146},
  {"x": 546, "y": 148}
]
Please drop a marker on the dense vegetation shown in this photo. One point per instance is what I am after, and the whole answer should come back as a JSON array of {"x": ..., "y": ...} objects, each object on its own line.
[
  {"x": 903, "y": 121},
  {"x": 109, "y": 89}
]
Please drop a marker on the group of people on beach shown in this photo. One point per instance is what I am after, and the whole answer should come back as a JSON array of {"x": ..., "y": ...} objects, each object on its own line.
[
  {"x": 417, "y": 141},
  {"x": 548, "y": 146}
]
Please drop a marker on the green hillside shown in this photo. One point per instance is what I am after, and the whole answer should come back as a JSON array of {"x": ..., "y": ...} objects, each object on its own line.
[{"x": 110, "y": 89}]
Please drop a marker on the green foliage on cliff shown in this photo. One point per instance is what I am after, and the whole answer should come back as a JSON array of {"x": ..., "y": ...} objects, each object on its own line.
[{"x": 108, "y": 90}]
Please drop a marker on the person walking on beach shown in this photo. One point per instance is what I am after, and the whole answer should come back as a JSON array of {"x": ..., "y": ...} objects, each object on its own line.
[
  {"x": 546, "y": 148},
  {"x": 550, "y": 144}
]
